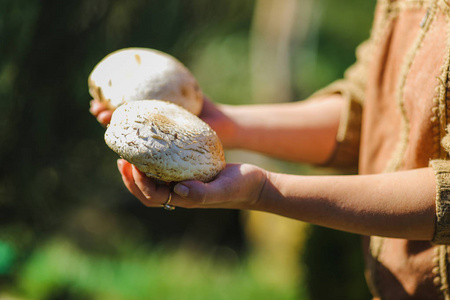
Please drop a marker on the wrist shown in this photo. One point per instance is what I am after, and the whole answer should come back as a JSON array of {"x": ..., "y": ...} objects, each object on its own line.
[
  {"x": 230, "y": 133},
  {"x": 264, "y": 191},
  {"x": 252, "y": 182}
]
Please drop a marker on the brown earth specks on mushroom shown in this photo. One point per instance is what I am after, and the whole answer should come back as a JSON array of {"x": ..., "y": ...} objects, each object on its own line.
[{"x": 165, "y": 141}]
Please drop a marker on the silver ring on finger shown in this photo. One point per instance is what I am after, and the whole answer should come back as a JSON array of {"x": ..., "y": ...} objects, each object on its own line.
[{"x": 167, "y": 205}]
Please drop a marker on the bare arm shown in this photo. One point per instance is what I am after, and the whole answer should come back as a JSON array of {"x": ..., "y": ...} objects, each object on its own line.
[
  {"x": 300, "y": 131},
  {"x": 400, "y": 204}
]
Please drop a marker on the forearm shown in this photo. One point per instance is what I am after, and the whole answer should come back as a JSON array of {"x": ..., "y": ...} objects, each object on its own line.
[
  {"x": 400, "y": 204},
  {"x": 301, "y": 131}
]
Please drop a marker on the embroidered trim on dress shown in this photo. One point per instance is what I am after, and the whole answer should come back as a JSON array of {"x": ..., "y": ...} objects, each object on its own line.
[{"x": 397, "y": 159}]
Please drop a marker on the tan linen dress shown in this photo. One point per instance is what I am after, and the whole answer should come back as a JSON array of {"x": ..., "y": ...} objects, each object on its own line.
[{"x": 398, "y": 111}]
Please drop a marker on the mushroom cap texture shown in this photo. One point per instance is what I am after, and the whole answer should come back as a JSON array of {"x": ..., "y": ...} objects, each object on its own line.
[
  {"x": 139, "y": 73},
  {"x": 165, "y": 141}
]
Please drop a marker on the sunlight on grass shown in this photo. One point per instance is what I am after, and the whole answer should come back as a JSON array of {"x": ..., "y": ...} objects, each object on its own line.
[{"x": 162, "y": 273}]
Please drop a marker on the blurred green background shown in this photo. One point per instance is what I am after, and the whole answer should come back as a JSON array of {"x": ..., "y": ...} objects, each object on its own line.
[{"x": 68, "y": 227}]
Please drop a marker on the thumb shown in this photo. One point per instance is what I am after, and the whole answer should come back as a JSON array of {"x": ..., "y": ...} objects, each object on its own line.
[
  {"x": 195, "y": 192},
  {"x": 182, "y": 189}
]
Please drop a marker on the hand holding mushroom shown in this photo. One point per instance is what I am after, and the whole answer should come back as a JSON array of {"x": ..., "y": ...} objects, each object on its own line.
[
  {"x": 236, "y": 187},
  {"x": 162, "y": 139},
  {"x": 132, "y": 74}
]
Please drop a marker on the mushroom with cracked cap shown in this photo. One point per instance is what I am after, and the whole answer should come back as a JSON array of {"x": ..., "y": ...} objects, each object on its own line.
[{"x": 165, "y": 141}]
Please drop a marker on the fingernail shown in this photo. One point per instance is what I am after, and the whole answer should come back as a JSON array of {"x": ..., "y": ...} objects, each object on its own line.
[
  {"x": 136, "y": 170},
  {"x": 120, "y": 163},
  {"x": 181, "y": 190}
]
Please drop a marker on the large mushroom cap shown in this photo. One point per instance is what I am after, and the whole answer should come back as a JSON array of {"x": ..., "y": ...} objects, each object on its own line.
[
  {"x": 138, "y": 73},
  {"x": 165, "y": 141}
]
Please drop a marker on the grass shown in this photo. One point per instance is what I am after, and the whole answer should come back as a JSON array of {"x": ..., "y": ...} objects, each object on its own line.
[{"x": 162, "y": 273}]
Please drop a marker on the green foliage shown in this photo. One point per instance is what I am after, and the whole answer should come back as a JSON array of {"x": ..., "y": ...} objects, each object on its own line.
[
  {"x": 226, "y": 85},
  {"x": 329, "y": 257},
  {"x": 157, "y": 273},
  {"x": 7, "y": 255},
  {"x": 338, "y": 27}
]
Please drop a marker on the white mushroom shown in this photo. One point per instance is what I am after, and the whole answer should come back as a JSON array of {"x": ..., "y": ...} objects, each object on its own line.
[
  {"x": 138, "y": 73},
  {"x": 165, "y": 141}
]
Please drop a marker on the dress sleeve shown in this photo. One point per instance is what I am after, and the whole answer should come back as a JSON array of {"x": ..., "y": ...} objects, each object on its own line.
[
  {"x": 352, "y": 88},
  {"x": 442, "y": 172},
  {"x": 441, "y": 169}
]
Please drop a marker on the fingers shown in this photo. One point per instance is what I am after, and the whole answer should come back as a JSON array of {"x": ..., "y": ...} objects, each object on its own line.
[
  {"x": 157, "y": 194},
  {"x": 152, "y": 191},
  {"x": 95, "y": 107},
  {"x": 127, "y": 176},
  {"x": 196, "y": 194},
  {"x": 145, "y": 189},
  {"x": 101, "y": 112},
  {"x": 236, "y": 187},
  {"x": 105, "y": 117}
]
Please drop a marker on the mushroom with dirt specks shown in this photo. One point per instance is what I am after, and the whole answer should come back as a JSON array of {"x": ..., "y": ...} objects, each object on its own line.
[
  {"x": 165, "y": 141},
  {"x": 139, "y": 73}
]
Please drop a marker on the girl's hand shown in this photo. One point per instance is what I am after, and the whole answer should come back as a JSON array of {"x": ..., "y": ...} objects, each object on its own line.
[
  {"x": 236, "y": 187},
  {"x": 101, "y": 112}
]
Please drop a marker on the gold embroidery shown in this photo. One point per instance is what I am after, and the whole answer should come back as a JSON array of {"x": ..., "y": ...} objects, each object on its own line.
[
  {"x": 443, "y": 267},
  {"x": 397, "y": 158}
]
